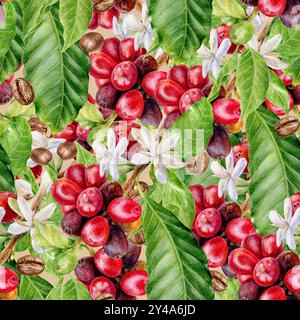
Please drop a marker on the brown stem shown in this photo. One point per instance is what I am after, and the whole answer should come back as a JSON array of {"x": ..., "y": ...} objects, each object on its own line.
[
  {"x": 6, "y": 253},
  {"x": 230, "y": 85},
  {"x": 131, "y": 181}
]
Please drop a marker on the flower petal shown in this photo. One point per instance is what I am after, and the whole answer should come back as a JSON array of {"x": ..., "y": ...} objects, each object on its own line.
[
  {"x": 138, "y": 39},
  {"x": 270, "y": 45},
  {"x": 148, "y": 140},
  {"x": 39, "y": 140},
  {"x": 276, "y": 219},
  {"x": 168, "y": 143},
  {"x": 288, "y": 210},
  {"x": 253, "y": 43},
  {"x": 274, "y": 62},
  {"x": 223, "y": 49},
  {"x": 206, "y": 67},
  {"x": 132, "y": 24},
  {"x": 280, "y": 235},
  {"x": 170, "y": 160},
  {"x": 113, "y": 170},
  {"x": 204, "y": 52},
  {"x": 121, "y": 147},
  {"x": 36, "y": 247},
  {"x": 144, "y": 12},
  {"x": 99, "y": 149},
  {"x": 213, "y": 41},
  {"x": 104, "y": 164},
  {"x": 290, "y": 239},
  {"x": 46, "y": 212},
  {"x": 148, "y": 40},
  {"x": 16, "y": 228},
  {"x": 229, "y": 161},
  {"x": 231, "y": 188},
  {"x": 222, "y": 186},
  {"x": 53, "y": 144},
  {"x": 218, "y": 170},
  {"x": 31, "y": 163},
  {"x": 239, "y": 168},
  {"x": 141, "y": 158},
  {"x": 161, "y": 174},
  {"x": 296, "y": 219},
  {"x": 23, "y": 187},
  {"x": 25, "y": 209},
  {"x": 215, "y": 67},
  {"x": 111, "y": 140}
]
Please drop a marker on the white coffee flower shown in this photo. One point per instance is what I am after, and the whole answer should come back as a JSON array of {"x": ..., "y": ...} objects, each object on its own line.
[
  {"x": 39, "y": 140},
  {"x": 267, "y": 50},
  {"x": 228, "y": 177},
  {"x": 213, "y": 57},
  {"x": 2, "y": 213},
  {"x": 286, "y": 225},
  {"x": 140, "y": 29},
  {"x": 109, "y": 156},
  {"x": 119, "y": 29},
  {"x": 156, "y": 151}
]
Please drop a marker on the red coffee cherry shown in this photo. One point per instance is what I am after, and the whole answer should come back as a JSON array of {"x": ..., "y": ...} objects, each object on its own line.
[
  {"x": 241, "y": 150},
  {"x": 65, "y": 191},
  {"x": 130, "y": 106},
  {"x": 224, "y": 33},
  {"x": 69, "y": 132},
  {"x": 124, "y": 75},
  {"x": 89, "y": 202},
  {"x": 85, "y": 270},
  {"x": 237, "y": 229},
  {"x": 10, "y": 215},
  {"x": 197, "y": 191},
  {"x": 226, "y": 111},
  {"x": 243, "y": 278},
  {"x": 134, "y": 282},
  {"x": 82, "y": 133},
  {"x": 269, "y": 247},
  {"x": 287, "y": 260},
  {"x": 295, "y": 198},
  {"x": 105, "y": 18},
  {"x": 151, "y": 80},
  {"x": 8, "y": 280},
  {"x": 211, "y": 198},
  {"x": 273, "y": 293},
  {"x": 102, "y": 65},
  {"x": 92, "y": 176},
  {"x": 168, "y": 93},
  {"x": 127, "y": 51},
  {"x": 124, "y": 210},
  {"x": 208, "y": 223},
  {"x": 241, "y": 261},
  {"x": 292, "y": 279},
  {"x": 252, "y": 242},
  {"x": 94, "y": 21},
  {"x": 189, "y": 98},
  {"x": 111, "y": 47},
  {"x": 276, "y": 110},
  {"x": 108, "y": 266},
  {"x": 76, "y": 172},
  {"x": 95, "y": 232},
  {"x": 216, "y": 251},
  {"x": 266, "y": 272},
  {"x": 195, "y": 78},
  {"x": 271, "y": 8},
  {"x": 101, "y": 288},
  {"x": 179, "y": 75},
  {"x": 287, "y": 80}
]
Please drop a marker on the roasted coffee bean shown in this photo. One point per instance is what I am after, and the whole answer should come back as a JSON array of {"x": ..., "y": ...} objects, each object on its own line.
[
  {"x": 23, "y": 91},
  {"x": 103, "y": 5},
  {"x": 91, "y": 41},
  {"x": 219, "y": 281},
  {"x": 67, "y": 150},
  {"x": 37, "y": 125},
  {"x": 30, "y": 265},
  {"x": 41, "y": 156},
  {"x": 287, "y": 126}
]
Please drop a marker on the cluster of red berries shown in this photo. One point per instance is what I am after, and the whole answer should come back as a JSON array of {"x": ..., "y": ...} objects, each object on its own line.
[
  {"x": 229, "y": 241},
  {"x": 96, "y": 210}
]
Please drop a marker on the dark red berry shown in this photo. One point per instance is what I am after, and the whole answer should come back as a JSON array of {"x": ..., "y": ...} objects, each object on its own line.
[
  {"x": 75, "y": 172},
  {"x": 95, "y": 232}
]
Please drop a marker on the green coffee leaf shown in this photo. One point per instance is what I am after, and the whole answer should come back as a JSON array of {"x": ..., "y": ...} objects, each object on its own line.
[
  {"x": 17, "y": 144},
  {"x": 89, "y": 116},
  {"x": 12, "y": 58},
  {"x": 75, "y": 290},
  {"x": 277, "y": 93},
  {"x": 84, "y": 156},
  {"x": 294, "y": 71},
  {"x": 56, "y": 292},
  {"x": 229, "y": 8},
  {"x": 75, "y": 16},
  {"x": 7, "y": 30},
  {"x": 231, "y": 292},
  {"x": 181, "y": 26},
  {"x": 6, "y": 176},
  {"x": 33, "y": 288},
  {"x": 176, "y": 265},
  {"x": 60, "y": 80},
  {"x": 196, "y": 128},
  {"x": 252, "y": 81},
  {"x": 177, "y": 198},
  {"x": 15, "y": 109},
  {"x": 274, "y": 168},
  {"x": 33, "y": 14}
]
